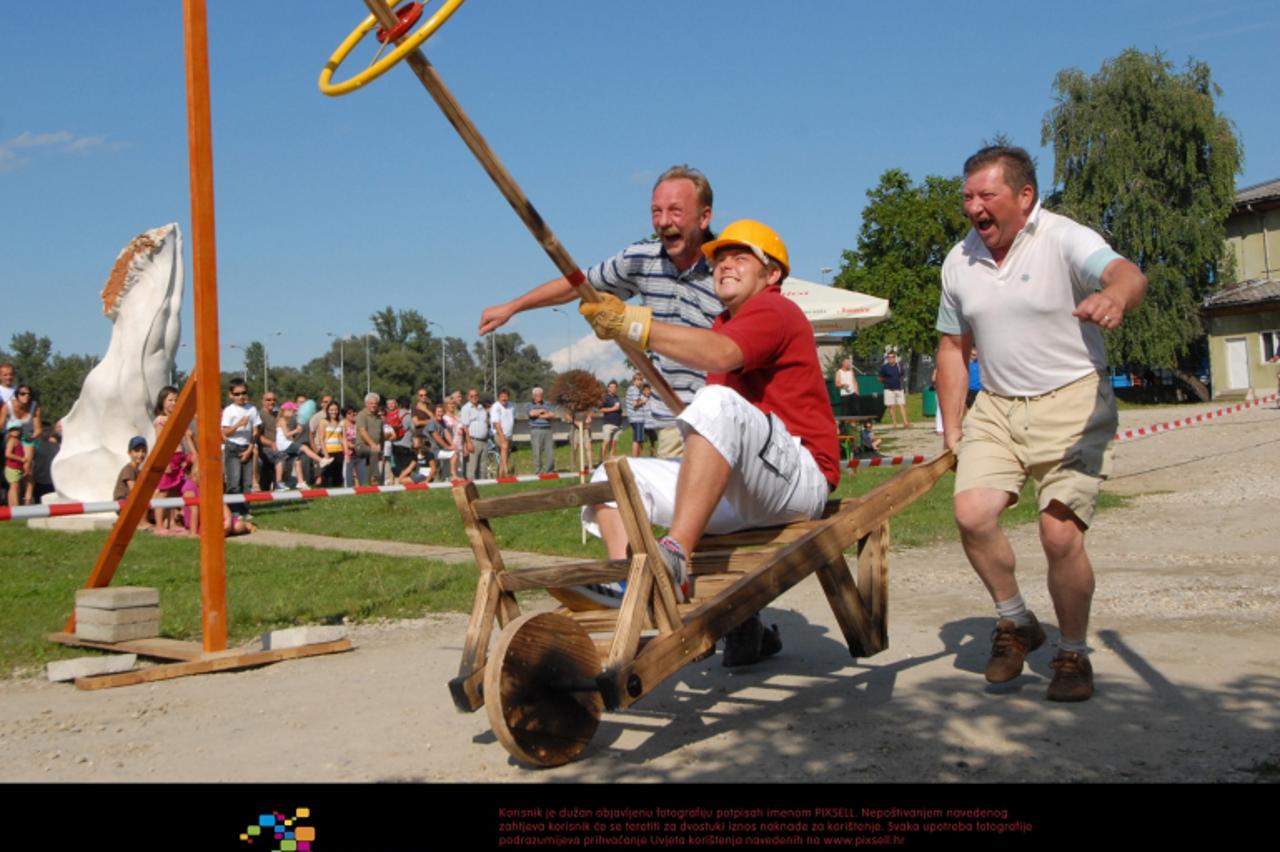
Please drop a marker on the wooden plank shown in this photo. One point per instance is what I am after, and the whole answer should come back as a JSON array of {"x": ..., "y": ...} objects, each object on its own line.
[
  {"x": 873, "y": 582},
  {"x": 157, "y": 648},
  {"x": 491, "y": 602},
  {"x": 734, "y": 560},
  {"x": 543, "y": 501},
  {"x": 559, "y": 576},
  {"x": 220, "y": 662},
  {"x": 485, "y": 547},
  {"x": 640, "y": 534},
  {"x": 468, "y": 692},
  {"x": 846, "y": 604},
  {"x": 633, "y": 613}
]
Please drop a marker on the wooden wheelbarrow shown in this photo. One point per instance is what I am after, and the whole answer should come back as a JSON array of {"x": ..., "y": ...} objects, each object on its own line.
[{"x": 551, "y": 674}]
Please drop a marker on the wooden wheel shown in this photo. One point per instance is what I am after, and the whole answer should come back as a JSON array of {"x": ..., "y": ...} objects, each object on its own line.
[{"x": 539, "y": 689}]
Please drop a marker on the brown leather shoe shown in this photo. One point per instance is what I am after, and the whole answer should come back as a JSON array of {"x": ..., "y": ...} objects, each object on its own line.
[
  {"x": 1072, "y": 678},
  {"x": 1010, "y": 645}
]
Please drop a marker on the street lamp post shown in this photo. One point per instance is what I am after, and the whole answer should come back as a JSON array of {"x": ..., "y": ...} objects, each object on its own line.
[
  {"x": 493, "y": 349},
  {"x": 244, "y": 362},
  {"x": 342, "y": 371},
  {"x": 367, "y": 384},
  {"x": 266, "y": 372},
  {"x": 439, "y": 326},
  {"x": 568, "y": 333}
]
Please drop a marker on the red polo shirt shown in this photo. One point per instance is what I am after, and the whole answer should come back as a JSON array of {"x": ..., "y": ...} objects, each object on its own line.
[{"x": 780, "y": 373}]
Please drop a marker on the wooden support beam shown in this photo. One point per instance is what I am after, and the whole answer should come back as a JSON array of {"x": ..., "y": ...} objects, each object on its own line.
[
  {"x": 155, "y": 647},
  {"x": 541, "y": 501},
  {"x": 213, "y": 663},
  {"x": 491, "y": 601},
  {"x": 640, "y": 534},
  {"x": 204, "y": 289},
  {"x": 144, "y": 488},
  {"x": 561, "y": 576},
  {"x": 846, "y": 604},
  {"x": 873, "y": 582}
]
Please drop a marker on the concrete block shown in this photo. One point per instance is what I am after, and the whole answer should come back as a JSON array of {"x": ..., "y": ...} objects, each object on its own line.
[
  {"x": 74, "y": 523},
  {"x": 118, "y": 632},
  {"x": 93, "y": 615},
  {"x": 293, "y": 637},
  {"x": 118, "y": 597},
  {"x": 89, "y": 666}
]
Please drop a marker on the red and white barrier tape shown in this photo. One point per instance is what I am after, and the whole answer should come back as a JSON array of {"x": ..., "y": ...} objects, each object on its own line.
[
  {"x": 885, "y": 461},
  {"x": 1126, "y": 435},
  {"x": 1157, "y": 428},
  {"x": 56, "y": 510}
]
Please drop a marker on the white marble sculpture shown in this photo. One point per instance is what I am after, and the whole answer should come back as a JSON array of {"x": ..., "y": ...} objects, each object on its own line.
[{"x": 143, "y": 298}]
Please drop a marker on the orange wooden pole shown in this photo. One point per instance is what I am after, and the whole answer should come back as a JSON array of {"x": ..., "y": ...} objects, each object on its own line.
[
  {"x": 213, "y": 566},
  {"x": 152, "y": 468}
]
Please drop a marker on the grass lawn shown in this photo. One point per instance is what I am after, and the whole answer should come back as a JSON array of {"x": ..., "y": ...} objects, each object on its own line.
[
  {"x": 266, "y": 588},
  {"x": 270, "y": 588}
]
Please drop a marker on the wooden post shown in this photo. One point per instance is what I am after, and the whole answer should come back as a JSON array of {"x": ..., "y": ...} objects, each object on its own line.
[{"x": 213, "y": 565}]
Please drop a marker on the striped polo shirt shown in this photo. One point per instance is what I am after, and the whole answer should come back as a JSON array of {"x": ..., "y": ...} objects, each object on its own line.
[{"x": 681, "y": 298}]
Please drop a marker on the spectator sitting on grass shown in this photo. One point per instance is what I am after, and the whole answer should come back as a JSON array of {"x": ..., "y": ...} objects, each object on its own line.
[{"x": 128, "y": 476}]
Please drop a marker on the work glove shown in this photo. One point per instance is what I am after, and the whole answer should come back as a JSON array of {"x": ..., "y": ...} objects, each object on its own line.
[{"x": 612, "y": 319}]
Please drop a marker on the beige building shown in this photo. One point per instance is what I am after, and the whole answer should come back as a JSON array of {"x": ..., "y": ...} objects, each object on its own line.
[{"x": 1243, "y": 320}]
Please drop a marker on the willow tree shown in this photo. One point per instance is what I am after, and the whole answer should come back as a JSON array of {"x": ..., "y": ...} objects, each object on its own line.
[
  {"x": 907, "y": 230},
  {"x": 1142, "y": 155}
]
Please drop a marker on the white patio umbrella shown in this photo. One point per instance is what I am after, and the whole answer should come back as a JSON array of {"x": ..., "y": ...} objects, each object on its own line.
[{"x": 833, "y": 310}]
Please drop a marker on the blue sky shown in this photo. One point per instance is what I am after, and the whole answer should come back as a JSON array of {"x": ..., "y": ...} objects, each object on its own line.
[{"x": 331, "y": 208}]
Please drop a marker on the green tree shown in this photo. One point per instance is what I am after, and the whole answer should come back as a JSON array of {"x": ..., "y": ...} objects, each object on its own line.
[
  {"x": 1142, "y": 155},
  {"x": 906, "y": 233},
  {"x": 55, "y": 378}
]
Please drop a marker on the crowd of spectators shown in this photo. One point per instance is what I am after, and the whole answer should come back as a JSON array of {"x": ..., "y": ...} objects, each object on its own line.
[{"x": 30, "y": 443}]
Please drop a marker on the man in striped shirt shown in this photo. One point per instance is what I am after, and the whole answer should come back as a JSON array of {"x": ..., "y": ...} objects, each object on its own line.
[{"x": 668, "y": 272}]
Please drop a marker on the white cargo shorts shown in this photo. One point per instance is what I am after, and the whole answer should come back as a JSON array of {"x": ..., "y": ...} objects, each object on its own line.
[{"x": 773, "y": 479}]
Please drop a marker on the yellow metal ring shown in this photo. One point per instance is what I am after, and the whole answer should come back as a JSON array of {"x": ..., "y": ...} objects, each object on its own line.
[{"x": 380, "y": 67}]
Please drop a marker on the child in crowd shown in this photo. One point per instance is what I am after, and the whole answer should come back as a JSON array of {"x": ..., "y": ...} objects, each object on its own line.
[
  {"x": 175, "y": 473},
  {"x": 867, "y": 441},
  {"x": 128, "y": 476},
  {"x": 289, "y": 449},
  {"x": 15, "y": 460},
  {"x": 231, "y": 524}
]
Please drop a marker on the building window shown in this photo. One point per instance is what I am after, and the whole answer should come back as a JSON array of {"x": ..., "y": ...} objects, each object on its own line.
[{"x": 1270, "y": 344}]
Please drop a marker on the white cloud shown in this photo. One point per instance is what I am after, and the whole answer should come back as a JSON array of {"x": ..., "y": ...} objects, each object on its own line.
[
  {"x": 602, "y": 358},
  {"x": 60, "y": 141}
]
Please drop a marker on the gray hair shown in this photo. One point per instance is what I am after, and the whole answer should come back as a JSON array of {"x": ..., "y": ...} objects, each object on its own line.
[{"x": 372, "y": 396}]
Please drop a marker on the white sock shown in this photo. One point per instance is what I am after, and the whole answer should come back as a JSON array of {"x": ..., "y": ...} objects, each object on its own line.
[
  {"x": 1014, "y": 609},
  {"x": 1073, "y": 646}
]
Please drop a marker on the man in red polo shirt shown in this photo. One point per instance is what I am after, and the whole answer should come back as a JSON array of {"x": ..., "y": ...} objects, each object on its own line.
[{"x": 754, "y": 455}]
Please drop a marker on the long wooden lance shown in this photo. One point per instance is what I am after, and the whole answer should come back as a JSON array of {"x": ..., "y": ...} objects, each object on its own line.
[{"x": 394, "y": 26}]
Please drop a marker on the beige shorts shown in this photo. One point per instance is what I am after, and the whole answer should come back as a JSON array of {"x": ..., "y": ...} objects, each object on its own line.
[
  {"x": 1062, "y": 439},
  {"x": 670, "y": 444},
  {"x": 895, "y": 397}
]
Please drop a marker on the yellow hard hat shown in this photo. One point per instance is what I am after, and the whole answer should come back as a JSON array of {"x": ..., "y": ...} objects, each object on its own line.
[{"x": 757, "y": 236}]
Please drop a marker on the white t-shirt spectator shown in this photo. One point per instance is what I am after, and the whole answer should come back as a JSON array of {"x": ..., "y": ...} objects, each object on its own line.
[{"x": 232, "y": 414}]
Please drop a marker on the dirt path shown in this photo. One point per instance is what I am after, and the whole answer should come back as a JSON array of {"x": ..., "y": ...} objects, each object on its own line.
[{"x": 1185, "y": 632}]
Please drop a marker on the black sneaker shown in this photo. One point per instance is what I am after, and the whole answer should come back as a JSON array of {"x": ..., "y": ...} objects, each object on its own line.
[{"x": 750, "y": 642}]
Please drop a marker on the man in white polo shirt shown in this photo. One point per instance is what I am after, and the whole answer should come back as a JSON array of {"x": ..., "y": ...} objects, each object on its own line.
[{"x": 1033, "y": 291}]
